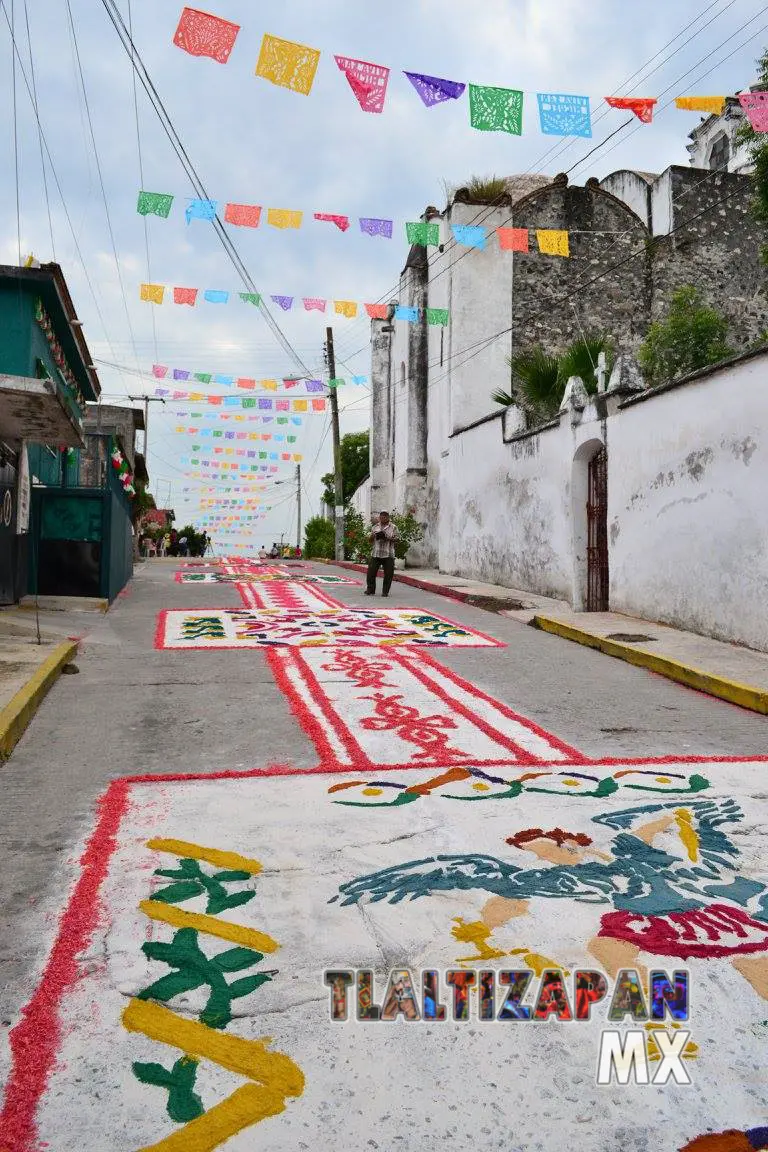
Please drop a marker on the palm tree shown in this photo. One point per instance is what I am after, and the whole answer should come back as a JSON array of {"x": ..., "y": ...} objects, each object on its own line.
[{"x": 539, "y": 379}]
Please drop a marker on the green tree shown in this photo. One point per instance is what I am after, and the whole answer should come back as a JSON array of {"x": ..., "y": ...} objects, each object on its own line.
[
  {"x": 356, "y": 535},
  {"x": 757, "y": 142},
  {"x": 539, "y": 379},
  {"x": 195, "y": 540},
  {"x": 354, "y": 467},
  {"x": 319, "y": 539},
  {"x": 691, "y": 336}
]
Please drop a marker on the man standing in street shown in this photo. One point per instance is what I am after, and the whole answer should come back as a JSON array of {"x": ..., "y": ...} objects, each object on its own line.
[{"x": 383, "y": 536}]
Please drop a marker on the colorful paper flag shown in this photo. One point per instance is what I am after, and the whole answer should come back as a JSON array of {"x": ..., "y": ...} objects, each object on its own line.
[
  {"x": 154, "y": 204},
  {"x": 202, "y": 210},
  {"x": 284, "y": 302},
  {"x": 553, "y": 242},
  {"x": 422, "y": 232},
  {"x": 227, "y": 381},
  {"x": 313, "y": 303},
  {"x": 284, "y": 218},
  {"x": 201, "y": 34},
  {"x": 243, "y": 215},
  {"x": 318, "y": 405},
  {"x": 287, "y": 64},
  {"x": 245, "y": 382},
  {"x": 755, "y": 105},
  {"x": 433, "y": 90},
  {"x": 336, "y": 382},
  {"x": 314, "y": 385},
  {"x": 265, "y": 404},
  {"x": 283, "y": 405},
  {"x": 470, "y": 235},
  {"x": 160, "y": 371},
  {"x": 404, "y": 313},
  {"x": 346, "y": 308},
  {"x": 438, "y": 316},
  {"x": 300, "y": 405},
  {"x": 562, "y": 115},
  {"x": 711, "y": 104},
  {"x": 377, "y": 311},
  {"x": 496, "y": 109},
  {"x": 250, "y": 297},
  {"x": 359, "y": 380},
  {"x": 269, "y": 386},
  {"x": 341, "y": 222},
  {"x": 203, "y": 377},
  {"x": 367, "y": 81},
  {"x": 152, "y": 293},
  {"x": 372, "y": 226},
  {"x": 641, "y": 106},
  {"x": 215, "y": 296},
  {"x": 180, "y": 374},
  {"x": 513, "y": 239},
  {"x": 185, "y": 296}
]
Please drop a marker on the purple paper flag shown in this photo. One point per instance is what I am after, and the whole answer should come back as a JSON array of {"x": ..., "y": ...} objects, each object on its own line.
[
  {"x": 314, "y": 385},
  {"x": 285, "y": 302},
  {"x": 374, "y": 227},
  {"x": 162, "y": 391},
  {"x": 180, "y": 374},
  {"x": 433, "y": 90},
  {"x": 265, "y": 403}
]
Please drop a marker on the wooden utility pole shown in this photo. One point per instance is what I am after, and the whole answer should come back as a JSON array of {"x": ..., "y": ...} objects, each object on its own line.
[
  {"x": 337, "y": 484},
  {"x": 147, "y": 401}
]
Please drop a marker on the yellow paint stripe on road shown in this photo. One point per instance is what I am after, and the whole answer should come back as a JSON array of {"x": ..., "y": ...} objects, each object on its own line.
[
  {"x": 229, "y": 860},
  {"x": 224, "y": 929}
]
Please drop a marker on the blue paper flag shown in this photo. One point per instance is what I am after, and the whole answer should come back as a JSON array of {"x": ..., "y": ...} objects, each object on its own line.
[
  {"x": 433, "y": 90},
  {"x": 359, "y": 379},
  {"x": 215, "y": 296},
  {"x": 202, "y": 210},
  {"x": 232, "y": 401},
  {"x": 470, "y": 235},
  {"x": 409, "y": 314},
  {"x": 228, "y": 380},
  {"x": 562, "y": 115}
]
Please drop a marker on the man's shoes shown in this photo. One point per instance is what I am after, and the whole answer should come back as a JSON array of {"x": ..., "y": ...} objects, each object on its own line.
[
  {"x": 385, "y": 594},
  {"x": 367, "y": 593}
]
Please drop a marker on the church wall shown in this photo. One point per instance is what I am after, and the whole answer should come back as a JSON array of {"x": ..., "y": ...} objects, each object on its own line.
[{"x": 687, "y": 513}]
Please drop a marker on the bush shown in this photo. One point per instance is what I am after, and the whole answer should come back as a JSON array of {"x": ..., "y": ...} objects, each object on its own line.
[
  {"x": 356, "y": 535},
  {"x": 319, "y": 538},
  {"x": 691, "y": 337},
  {"x": 409, "y": 531}
]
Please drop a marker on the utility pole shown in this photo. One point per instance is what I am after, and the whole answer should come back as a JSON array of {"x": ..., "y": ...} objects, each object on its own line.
[
  {"x": 337, "y": 485},
  {"x": 147, "y": 401},
  {"x": 298, "y": 505}
]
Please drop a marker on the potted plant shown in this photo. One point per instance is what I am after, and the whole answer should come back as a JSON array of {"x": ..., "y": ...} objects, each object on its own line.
[{"x": 409, "y": 531}]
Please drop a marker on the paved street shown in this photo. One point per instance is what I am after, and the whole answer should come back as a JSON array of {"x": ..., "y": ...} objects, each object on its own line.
[{"x": 497, "y": 710}]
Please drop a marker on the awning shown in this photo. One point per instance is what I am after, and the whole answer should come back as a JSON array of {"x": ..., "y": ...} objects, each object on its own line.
[{"x": 37, "y": 411}]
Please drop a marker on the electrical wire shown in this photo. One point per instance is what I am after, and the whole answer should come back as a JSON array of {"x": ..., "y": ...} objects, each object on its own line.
[
  {"x": 39, "y": 134},
  {"x": 15, "y": 135},
  {"x": 141, "y": 172},
  {"x": 168, "y": 127}
]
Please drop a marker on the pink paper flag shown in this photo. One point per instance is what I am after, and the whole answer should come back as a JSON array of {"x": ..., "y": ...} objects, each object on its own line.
[
  {"x": 314, "y": 303},
  {"x": 367, "y": 81},
  {"x": 341, "y": 222},
  {"x": 244, "y": 215},
  {"x": 377, "y": 311},
  {"x": 201, "y": 34},
  {"x": 755, "y": 105},
  {"x": 513, "y": 239},
  {"x": 185, "y": 296},
  {"x": 160, "y": 371},
  {"x": 640, "y": 105}
]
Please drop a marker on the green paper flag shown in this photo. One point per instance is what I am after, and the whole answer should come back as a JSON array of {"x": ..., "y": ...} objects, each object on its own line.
[
  {"x": 437, "y": 316},
  {"x": 248, "y": 402},
  {"x": 420, "y": 232},
  {"x": 250, "y": 297},
  {"x": 204, "y": 377},
  {"x": 262, "y": 455},
  {"x": 335, "y": 383},
  {"x": 282, "y": 420},
  {"x": 291, "y": 439},
  {"x": 154, "y": 204},
  {"x": 218, "y": 432},
  {"x": 496, "y": 109}
]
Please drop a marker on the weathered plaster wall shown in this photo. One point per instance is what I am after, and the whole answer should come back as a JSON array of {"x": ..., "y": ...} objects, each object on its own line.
[
  {"x": 361, "y": 499},
  {"x": 381, "y": 412},
  {"x": 688, "y": 505},
  {"x": 504, "y": 510}
]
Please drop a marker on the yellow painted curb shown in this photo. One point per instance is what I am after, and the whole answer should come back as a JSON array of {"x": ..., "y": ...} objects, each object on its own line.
[
  {"x": 756, "y": 699},
  {"x": 16, "y": 716}
]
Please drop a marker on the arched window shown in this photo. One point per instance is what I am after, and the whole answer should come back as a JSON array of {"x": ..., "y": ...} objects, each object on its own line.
[{"x": 719, "y": 153}]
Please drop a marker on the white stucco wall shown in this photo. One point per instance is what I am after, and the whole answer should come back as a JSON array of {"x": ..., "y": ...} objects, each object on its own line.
[
  {"x": 688, "y": 505},
  {"x": 632, "y": 190},
  {"x": 361, "y": 499}
]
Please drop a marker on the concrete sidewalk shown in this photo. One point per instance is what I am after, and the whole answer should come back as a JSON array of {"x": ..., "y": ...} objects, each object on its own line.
[
  {"x": 727, "y": 671},
  {"x": 27, "y": 672}
]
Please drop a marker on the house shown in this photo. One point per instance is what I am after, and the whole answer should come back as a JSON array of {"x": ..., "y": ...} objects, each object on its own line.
[{"x": 46, "y": 379}]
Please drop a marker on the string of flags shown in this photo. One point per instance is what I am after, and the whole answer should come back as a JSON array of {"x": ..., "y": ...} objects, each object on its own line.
[
  {"x": 264, "y": 403},
  {"x": 236, "y": 466},
  {"x": 288, "y": 64},
  {"x": 227, "y": 435},
  {"x": 297, "y": 420},
  {"x": 155, "y": 294},
  {"x": 247, "y": 383}
]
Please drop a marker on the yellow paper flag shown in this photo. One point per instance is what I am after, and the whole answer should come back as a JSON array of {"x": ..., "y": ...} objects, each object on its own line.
[
  {"x": 287, "y": 64},
  {"x": 284, "y": 218},
  {"x": 153, "y": 293},
  {"x": 300, "y": 405},
  {"x": 197, "y": 396},
  {"x": 269, "y": 385},
  {"x": 713, "y": 104},
  {"x": 345, "y": 308},
  {"x": 553, "y": 242}
]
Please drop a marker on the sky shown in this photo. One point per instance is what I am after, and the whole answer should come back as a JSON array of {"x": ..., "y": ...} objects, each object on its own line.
[{"x": 254, "y": 143}]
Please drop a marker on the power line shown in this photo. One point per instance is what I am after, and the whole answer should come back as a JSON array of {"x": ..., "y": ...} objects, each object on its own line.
[
  {"x": 168, "y": 127},
  {"x": 141, "y": 171},
  {"x": 39, "y": 133}
]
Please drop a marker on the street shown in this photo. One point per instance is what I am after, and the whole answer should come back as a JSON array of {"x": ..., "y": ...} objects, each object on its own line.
[{"x": 244, "y": 769}]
